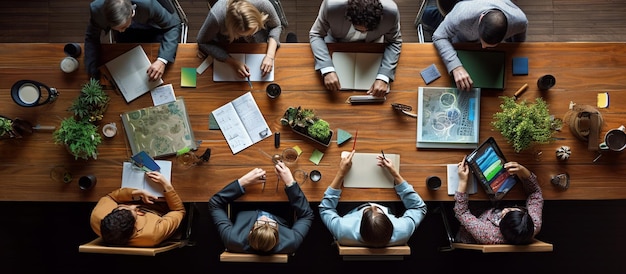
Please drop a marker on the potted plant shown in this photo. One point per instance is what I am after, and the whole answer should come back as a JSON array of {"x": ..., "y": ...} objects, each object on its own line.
[
  {"x": 523, "y": 124},
  {"x": 14, "y": 128},
  {"x": 6, "y": 128},
  {"x": 80, "y": 137},
  {"x": 91, "y": 103},
  {"x": 306, "y": 123}
]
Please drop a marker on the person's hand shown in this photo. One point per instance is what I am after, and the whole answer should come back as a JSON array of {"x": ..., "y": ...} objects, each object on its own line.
[
  {"x": 463, "y": 171},
  {"x": 331, "y": 81},
  {"x": 515, "y": 168},
  {"x": 240, "y": 68},
  {"x": 462, "y": 79},
  {"x": 386, "y": 163},
  {"x": 379, "y": 88},
  {"x": 255, "y": 176},
  {"x": 145, "y": 196},
  {"x": 346, "y": 163},
  {"x": 155, "y": 71},
  {"x": 157, "y": 177},
  {"x": 267, "y": 65},
  {"x": 284, "y": 174}
]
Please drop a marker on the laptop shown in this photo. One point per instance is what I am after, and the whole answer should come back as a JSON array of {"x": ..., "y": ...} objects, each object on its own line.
[
  {"x": 486, "y": 67},
  {"x": 487, "y": 164}
]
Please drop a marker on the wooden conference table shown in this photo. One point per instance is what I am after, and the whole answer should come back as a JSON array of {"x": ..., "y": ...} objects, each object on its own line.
[{"x": 581, "y": 69}]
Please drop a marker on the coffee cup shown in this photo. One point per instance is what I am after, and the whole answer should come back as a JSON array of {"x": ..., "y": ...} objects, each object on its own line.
[
  {"x": 614, "y": 139},
  {"x": 69, "y": 64},
  {"x": 273, "y": 90},
  {"x": 433, "y": 182},
  {"x": 109, "y": 130},
  {"x": 546, "y": 82},
  {"x": 72, "y": 50},
  {"x": 87, "y": 182}
]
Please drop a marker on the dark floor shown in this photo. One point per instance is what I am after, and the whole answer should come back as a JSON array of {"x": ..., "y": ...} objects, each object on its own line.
[{"x": 588, "y": 237}]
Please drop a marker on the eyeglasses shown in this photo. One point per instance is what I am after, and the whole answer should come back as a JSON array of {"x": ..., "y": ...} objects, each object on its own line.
[{"x": 260, "y": 223}]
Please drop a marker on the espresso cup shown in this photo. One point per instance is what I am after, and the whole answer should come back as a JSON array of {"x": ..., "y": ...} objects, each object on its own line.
[
  {"x": 433, "y": 182},
  {"x": 614, "y": 139},
  {"x": 273, "y": 90},
  {"x": 546, "y": 82},
  {"x": 72, "y": 50},
  {"x": 109, "y": 130},
  {"x": 87, "y": 182},
  {"x": 69, "y": 64}
]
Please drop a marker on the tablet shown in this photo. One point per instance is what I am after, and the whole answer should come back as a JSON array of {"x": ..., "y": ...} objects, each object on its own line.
[{"x": 487, "y": 164}]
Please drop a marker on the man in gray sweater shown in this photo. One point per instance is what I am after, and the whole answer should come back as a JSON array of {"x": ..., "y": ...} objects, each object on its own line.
[{"x": 486, "y": 21}]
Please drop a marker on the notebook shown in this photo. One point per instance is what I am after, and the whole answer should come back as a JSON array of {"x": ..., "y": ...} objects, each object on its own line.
[
  {"x": 487, "y": 164},
  {"x": 134, "y": 177},
  {"x": 129, "y": 73},
  {"x": 365, "y": 173},
  {"x": 487, "y": 68},
  {"x": 356, "y": 70}
]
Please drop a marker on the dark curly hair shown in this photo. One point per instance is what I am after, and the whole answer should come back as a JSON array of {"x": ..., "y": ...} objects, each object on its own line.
[
  {"x": 492, "y": 27},
  {"x": 117, "y": 227},
  {"x": 376, "y": 228},
  {"x": 517, "y": 227},
  {"x": 366, "y": 13}
]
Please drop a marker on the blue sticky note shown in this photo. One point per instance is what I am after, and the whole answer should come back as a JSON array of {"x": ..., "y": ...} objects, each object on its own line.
[{"x": 520, "y": 66}]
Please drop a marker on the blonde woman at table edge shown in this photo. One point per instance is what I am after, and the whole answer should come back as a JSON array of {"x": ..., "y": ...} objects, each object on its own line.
[
  {"x": 240, "y": 21},
  {"x": 501, "y": 224}
]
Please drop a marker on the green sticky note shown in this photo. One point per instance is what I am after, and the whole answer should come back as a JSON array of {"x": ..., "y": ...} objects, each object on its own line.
[
  {"x": 212, "y": 122},
  {"x": 188, "y": 77},
  {"x": 316, "y": 157}
]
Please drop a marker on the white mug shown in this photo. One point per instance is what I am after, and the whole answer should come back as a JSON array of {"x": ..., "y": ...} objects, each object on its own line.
[
  {"x": 69, "y": 64},
  {"x": 109, "y": 130}
]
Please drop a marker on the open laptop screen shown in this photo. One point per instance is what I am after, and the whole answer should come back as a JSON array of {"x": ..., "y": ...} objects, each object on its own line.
[{"x": 487, "y": 164}]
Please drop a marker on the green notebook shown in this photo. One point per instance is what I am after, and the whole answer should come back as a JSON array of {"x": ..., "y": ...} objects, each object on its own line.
[{"x": 485, "y": 67}]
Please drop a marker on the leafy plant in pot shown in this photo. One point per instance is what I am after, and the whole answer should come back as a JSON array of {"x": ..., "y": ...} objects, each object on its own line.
[
  {"x": 524, "y": 124},
  {"x": 14, "y": 128},
  {"x": 91, "y": 103},
  {"x": 80, "y": 137},
  {"x": 306, "y": 123}
]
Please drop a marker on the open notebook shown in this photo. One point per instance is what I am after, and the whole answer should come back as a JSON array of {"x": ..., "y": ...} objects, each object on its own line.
[
  {"x": 356, "y": 70},
  {"x": 365, "y": 173}
]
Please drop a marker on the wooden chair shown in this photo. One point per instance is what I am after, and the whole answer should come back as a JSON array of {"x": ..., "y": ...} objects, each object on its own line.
[
  {"x": 536, "y": 246},
  {"x": 97, "y": 246},
  {"x": 228, "y": 256},
  {"x": 358, "y": 253}
]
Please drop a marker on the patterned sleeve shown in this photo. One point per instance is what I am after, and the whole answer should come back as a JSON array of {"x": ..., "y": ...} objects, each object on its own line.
[
  {"x": 534, "y": 202},
  {"x": 482, "y": 230}
]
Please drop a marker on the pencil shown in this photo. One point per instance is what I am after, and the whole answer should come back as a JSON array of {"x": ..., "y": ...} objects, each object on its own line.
[
  {"x": 383, "y": 153},
  {"x": 249, "y": 83},
  {"x": 355, "y": 135},
  {"x": 520, "y": 91}
]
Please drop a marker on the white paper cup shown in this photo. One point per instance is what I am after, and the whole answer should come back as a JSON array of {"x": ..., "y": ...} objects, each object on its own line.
[
  {"x": 69, "y": 64},
  {"x": 109, "y": 130}
]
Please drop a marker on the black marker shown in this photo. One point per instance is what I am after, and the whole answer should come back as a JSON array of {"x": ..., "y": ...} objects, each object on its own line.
[{"x": 277, "y": 139}]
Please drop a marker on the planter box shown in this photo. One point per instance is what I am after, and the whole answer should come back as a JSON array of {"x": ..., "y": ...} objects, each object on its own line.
[{"x": 313, "y": 139}]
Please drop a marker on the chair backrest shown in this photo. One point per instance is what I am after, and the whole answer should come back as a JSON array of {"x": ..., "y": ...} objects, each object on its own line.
[
  {"x": 354, "y": 253},
  {"x": 227, "y": 256},
  {"x": 173, "y": 6},
  {"x": 97, "y": 246},
  {"x": 536, "y": 246}
]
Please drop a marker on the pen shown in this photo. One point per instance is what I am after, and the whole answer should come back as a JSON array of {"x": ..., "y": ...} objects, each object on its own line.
[
  {"x": 520, "y": 91},
  {"x": 355, "y": 135},
  {"x": 383, "y": 153},
  {"x": 249, "y": 83}
]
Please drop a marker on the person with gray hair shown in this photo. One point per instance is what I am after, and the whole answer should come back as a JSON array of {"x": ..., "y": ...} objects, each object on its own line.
[
  {"x": 485, "y": 21},
  {"x": 132, "y": 21}
]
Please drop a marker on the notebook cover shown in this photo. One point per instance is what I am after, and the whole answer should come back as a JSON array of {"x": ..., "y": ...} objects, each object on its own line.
[{"x": 520, "y": 66}]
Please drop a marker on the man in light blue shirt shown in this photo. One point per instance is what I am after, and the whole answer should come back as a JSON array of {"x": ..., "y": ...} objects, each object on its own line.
[{"x": 371, "y": 224}]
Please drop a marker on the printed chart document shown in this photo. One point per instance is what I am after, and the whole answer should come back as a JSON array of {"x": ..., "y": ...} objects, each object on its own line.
[
  {"x": 365, "y": 173},
  {"x": 129, "y": 72},
  {"x": 242, "y": 123},
  {"x": 356, "y": 70},
  {"x": 135, "y": 177},
  {"x": 448, "y": 118},
  {"x": 223, "y": 72},
  {"x": 163, "y": 94}
]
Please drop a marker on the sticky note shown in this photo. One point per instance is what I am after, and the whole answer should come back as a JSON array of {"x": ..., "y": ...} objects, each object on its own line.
[
  {"x": 212, "y": 122},
  {"x": 342, "y": 136},
  {"x": 603, "y": 100},
  {"x": 430, "y": 74},
  {"x": 298, "y": 149},
  {"x": 316, "y": 157},
  {"x": 188, "y": 77}
]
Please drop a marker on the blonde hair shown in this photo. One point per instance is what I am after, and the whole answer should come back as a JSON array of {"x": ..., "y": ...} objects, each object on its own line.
[
  {"x": 241, "y": 17},
  {"x": 263, "y": 238}
]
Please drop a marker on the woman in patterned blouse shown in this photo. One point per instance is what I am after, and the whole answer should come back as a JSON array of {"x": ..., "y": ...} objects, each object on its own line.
[{"x": 508, "y": 225}]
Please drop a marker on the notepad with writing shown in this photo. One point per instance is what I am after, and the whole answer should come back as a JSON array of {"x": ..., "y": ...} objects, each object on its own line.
[
  {"x": 134, "y": 177},
  {"x": 129, "y": 72},
  {"x": 356, "y": 70},
  {"x": 223, "y": 72},
  {"x": 365, "y": 172}
]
